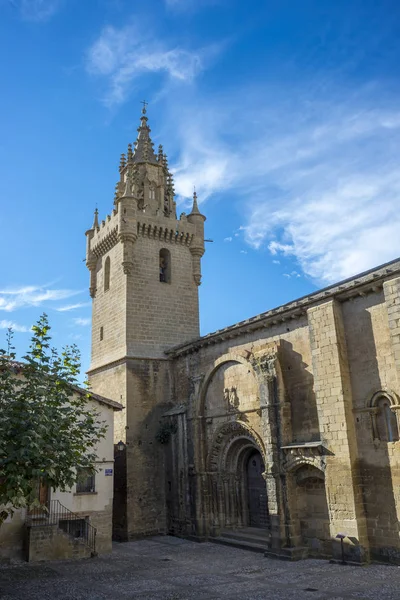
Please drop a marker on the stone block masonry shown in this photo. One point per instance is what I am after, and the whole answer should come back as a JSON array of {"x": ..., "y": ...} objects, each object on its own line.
[{"x": 288, "y": 420}]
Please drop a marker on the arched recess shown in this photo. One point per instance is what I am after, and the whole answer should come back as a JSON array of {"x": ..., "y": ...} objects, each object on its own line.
[
  {"x": 226, "y": 358},
  {"x": 228, "y": 443},
  {"x": 224, "y": 481},
  {"x": 309, "y": 506},
  {"x": 383, "y": 406},
  {"x": 233, "y": 446},
  {"x": 165, "y": 265}
]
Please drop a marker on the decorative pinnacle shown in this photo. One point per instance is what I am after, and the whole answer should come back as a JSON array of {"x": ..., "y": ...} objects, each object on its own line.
[
  {"x": 129, "y": 182},
  {"x": 160, "y": 153},
  {"x": 146, "y": 150},
  {"x": 170, "y": 181},
  {"x": 195, "y": 208},
  {"x": 116, "y": 193},
  {"x": 122, "y": 162},
  {"x": 130, "y": 153},
  {"x": 165, "y": 161},
  {"x": 96, "y": 219}
]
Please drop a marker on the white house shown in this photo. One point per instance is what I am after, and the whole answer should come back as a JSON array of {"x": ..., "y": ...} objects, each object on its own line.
[{"x": 78, "y": 522}]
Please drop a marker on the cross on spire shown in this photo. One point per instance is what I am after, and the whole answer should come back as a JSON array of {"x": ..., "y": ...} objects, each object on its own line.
[{"x": 144, "y": 106}]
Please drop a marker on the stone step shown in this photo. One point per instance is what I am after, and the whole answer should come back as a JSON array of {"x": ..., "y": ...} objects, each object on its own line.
[
  {"x": 253, "y": 536},
  {"x": 239, "y": 543},
  {"x": 296, "y": 553},
  {"x": 247, "y": 538}
]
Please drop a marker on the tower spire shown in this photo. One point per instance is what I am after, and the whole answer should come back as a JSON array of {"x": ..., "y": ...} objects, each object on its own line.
[
  {"x": 144, "y": 151},
  {"x": 96, "y": 219},
  {"x": 195, "y": 208}
]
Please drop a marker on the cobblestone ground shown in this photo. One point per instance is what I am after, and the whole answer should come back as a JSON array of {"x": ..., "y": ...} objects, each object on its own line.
[{"x": 167, "y": 568}]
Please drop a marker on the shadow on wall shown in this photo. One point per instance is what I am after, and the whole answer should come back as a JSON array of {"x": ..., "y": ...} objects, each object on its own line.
[
  {"x": 312, "y": 511},
  {"x": 299, "y": 387},
  {"x": 139, "y": 503},
  {"x": 375, "y": 473}
]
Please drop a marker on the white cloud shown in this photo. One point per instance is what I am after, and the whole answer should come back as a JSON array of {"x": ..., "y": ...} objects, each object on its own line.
[
  {"x": 276, "y": 262},
  {"x": 243, "y": 252},
  {"x": 69, "y": 307},
  {"x": 36, "y": 10},
  {"x": 316, "y": 175},
  {"x": 4, "y": 324},
  {"x": 82, "y": 321},
  {"x": 228, "y": 239},
  {"x": 12, "y": 299},
  {"x": 122, "y": 55}
]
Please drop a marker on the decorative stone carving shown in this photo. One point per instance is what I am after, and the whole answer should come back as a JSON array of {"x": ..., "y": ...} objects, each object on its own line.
[
  {"x": 231, "y": 398},
  {"x": 264, "y": 365},
  {"x": 298, "y": 455},
  {"x": 224, "y": 439}
]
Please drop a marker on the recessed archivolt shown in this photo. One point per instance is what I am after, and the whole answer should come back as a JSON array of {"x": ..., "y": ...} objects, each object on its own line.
[
  {"x": 293, "y": 463},
  {"x": 228, "y": 445},
  {"x": 306, "y": 472},
  {"x": 391, "y": 396}
]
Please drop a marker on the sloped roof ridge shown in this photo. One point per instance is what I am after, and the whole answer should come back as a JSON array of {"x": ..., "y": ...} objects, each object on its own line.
[
  {"x": 17, "y": 364},
  {"x": 376, "y": 273}
]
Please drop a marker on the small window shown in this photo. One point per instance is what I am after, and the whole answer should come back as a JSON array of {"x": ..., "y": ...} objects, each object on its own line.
[
  {"x": 165, "y": 266},
  {"x": 386, "y": 421},
  {"x": 101, "y": 333},
  {"x": 107, "y": 266},
  {"x": 85, "y": 483}
]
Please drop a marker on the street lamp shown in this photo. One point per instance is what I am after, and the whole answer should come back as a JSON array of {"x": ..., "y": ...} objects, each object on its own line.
[{"x": 121, "y": 446}]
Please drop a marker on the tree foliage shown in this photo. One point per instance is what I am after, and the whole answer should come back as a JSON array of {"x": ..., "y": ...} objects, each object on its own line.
[{"x": 47, "y": 431}]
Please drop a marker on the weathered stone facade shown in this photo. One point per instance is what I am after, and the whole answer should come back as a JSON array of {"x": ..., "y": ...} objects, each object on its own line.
[{"x": 308, "y": 392}]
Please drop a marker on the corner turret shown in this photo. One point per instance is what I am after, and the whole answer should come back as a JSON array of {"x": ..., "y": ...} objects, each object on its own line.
[{"x": 197, "y": 245}]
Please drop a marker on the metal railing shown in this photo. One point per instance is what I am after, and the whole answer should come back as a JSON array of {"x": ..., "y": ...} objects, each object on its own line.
[{"x": 55, "y": 513}]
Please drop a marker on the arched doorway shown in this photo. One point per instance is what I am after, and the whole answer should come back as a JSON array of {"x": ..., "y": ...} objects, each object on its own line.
[
  {"x": 256, "y": 491},
  {"x": 238, "y": 491}
]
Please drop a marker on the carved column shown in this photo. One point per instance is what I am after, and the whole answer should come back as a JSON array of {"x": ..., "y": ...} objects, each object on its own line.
[
  {"x": 264, "y": 365},
  {"x": 201, "y": 490}
]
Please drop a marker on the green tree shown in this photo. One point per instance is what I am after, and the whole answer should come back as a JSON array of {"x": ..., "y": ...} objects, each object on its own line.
[{"x": 47, "y": 431}]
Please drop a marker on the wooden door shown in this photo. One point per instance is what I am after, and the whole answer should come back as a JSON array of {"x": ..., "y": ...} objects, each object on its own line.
[{"x": 257, "y": 493}]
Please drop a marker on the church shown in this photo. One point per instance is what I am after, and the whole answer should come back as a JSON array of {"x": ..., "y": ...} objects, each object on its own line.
[{"x": 279, "y": 432}]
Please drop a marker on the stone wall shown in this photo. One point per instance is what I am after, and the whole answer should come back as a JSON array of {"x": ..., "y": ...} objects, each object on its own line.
[
  {"x": 108, "y": 312},
  {"x": 149, "y": 388},
  {"x": 12, "y": 536},
  {"x": 160, "y": 315},
  {"x": 48, "y": 542},
  {"x": 314, "y": 410}
]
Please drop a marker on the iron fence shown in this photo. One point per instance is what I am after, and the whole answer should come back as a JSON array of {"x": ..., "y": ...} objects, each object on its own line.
[{"x": 55, "y": 513}]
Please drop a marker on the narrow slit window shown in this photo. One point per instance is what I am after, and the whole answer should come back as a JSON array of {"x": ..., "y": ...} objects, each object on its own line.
[
  {"x": 101, "y": 334},
  {"x": 165, "y": 266},
  {"x": 107, "y": 268}
]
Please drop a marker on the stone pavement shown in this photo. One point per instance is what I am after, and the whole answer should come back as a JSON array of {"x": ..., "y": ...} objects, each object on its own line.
[{"x": 168, "y": 568}]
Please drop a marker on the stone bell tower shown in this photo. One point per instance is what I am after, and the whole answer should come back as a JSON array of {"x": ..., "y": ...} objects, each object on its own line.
[{"x": 145, "y": 271}]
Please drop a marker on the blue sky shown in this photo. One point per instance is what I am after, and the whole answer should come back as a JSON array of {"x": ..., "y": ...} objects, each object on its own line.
[{"x": 284, "y": 114}]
